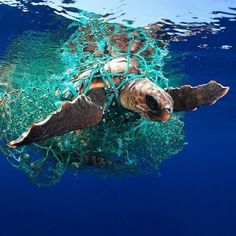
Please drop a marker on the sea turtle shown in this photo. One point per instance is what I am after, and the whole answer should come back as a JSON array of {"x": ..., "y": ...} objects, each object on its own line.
[{"x": 139, "y": 95}]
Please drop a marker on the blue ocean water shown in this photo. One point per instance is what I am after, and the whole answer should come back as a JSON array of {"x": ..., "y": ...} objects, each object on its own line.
[{"x": 194, "y": 193}]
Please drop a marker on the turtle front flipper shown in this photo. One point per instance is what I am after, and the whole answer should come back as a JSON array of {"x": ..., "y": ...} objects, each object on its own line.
[
  {"x": 188, "y": 98},
  {"x": 82, "y": 112}
]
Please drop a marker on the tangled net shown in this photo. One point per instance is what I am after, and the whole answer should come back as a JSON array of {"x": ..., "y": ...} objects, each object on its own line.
[{"x": 123, "y": 143}]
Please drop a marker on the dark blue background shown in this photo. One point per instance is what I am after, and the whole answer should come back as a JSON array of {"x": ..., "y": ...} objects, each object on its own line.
[{"x": 194, "y": 194}]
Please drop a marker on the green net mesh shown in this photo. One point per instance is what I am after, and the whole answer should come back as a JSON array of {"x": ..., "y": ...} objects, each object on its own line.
[{"x": 42, "y": 75}]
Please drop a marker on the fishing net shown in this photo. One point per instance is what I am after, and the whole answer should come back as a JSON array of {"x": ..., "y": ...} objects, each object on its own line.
[{"x": 42, "y": 75}]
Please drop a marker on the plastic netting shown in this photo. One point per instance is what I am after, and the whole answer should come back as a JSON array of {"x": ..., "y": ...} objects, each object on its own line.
[{"x": 123, "y": 143}]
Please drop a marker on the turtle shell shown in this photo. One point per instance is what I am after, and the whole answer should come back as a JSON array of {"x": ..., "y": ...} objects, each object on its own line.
[{"x": 108, "y": 75}]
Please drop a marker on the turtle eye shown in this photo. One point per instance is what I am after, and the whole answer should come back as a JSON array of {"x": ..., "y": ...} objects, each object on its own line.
[{"x": 152, "y": 103}]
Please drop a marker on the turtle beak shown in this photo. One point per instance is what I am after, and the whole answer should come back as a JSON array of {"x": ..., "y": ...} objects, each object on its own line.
[
  {"x": 162, "y": 116},
  {"x": 165, "y": 117},
  {"x": 161, "y": 108},
  {"x": 166, "y": 114}
]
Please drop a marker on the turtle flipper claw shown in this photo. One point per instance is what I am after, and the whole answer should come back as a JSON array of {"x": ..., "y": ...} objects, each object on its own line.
[
  {"x": 189, "y": 98},
  {"x": 82, "y": 112}
]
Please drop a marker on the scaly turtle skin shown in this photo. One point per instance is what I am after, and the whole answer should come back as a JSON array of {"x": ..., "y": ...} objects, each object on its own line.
[{"x": 139, "y": 95}]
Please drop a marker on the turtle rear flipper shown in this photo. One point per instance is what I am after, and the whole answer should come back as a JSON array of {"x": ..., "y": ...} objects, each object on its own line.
[
  {"x": 82, "y": 112},
  {"x": 188, "y": 98}
]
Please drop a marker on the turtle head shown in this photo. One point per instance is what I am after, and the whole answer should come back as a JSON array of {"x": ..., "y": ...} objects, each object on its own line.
[{"x": 147, "y": 99}]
